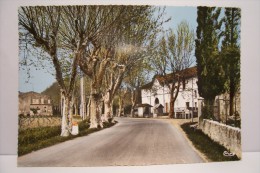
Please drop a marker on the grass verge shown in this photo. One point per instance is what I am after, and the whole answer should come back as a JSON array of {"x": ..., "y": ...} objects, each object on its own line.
[
  {"x": 212, "y": 150},
  {"x": 37, "y": 138}
]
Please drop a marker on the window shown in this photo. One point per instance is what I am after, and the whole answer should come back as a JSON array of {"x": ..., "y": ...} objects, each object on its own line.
[
  {"x": 195, "y": 93},
  {"x": 156, "y": 101},
  {"x": 35, "y": 101},
  {"x": 187, "y": 105},
  {"x": 183, "y": 84},
  {"x": 195, "y": 104}
]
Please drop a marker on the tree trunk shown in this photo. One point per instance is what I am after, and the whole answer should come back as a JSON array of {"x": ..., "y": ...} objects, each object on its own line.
[
  {"x": 231, "y": 98},
  {"x": 231, "y": 104},
  {"x": 174, "y": 96},
  {"x": 95, "y": 119},
  {"x": 93, "y": 112},
  {"x": 132, "y": 111},
  {"x": 171, "y": 112},
  {"x": 208, "y": 111},
  {"x": 88, "y": 108},
  {"x": 70, "y": 116},
  {"x": 120, "y": 109},
  {"x": 107, "y": 103},
  {"x": 65, "y": 119},
  {"x": 133, "y": 99},
  {"x": 112, "y": 108},
  {"x": 75, "y": 106}
]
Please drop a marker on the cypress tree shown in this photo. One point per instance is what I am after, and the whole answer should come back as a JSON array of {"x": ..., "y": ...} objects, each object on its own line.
[
  {"x": 230, "y": 53},
  {"x": 209, "y": 68}
]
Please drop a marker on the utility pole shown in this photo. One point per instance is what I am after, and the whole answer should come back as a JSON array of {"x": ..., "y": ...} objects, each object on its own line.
[
  {"x": 82, "y": 97},
  {"x": 192, "y": 111}
]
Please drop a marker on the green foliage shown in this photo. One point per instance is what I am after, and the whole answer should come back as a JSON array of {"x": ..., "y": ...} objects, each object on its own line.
[
  {"x": 207, "y": 112},
  {"x": 37, "y": 138},
  {"x": 173, "y": 51},
  {"x": 203, "y": 143},
  {"x": 231, "y": 53},
  {"x": 34, "y": 135},
  {"x": 83, "y": 125},
  {"x": 34, "y": 110},
  {"x": 209, "y": 62},
  {"x": 54, "y": 92}
]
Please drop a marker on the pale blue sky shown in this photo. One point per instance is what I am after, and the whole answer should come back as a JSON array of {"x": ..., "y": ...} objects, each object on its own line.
[{"x": 41, "y": 79}]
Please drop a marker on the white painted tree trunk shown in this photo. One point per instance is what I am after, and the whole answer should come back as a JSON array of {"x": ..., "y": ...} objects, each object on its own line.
[{"x": 65, "y": 121}]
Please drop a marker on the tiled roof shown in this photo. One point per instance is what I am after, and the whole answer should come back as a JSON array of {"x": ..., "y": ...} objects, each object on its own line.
[
  {"x": 168, "y": 78},
  {"x": 144, "y": 105},
  {"x": 148, "y": 85}
]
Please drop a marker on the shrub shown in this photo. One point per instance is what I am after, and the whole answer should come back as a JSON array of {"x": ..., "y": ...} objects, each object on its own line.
[
  {"x": 110, "y": 120},
  {"x": 29, "y": 136},
  {"x": 37, "y": 138},
  {"x": 83, "y": 125}
]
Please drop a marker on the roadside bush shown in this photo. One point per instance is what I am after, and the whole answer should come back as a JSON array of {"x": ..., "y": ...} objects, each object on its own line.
[
  {"x": 37, "y": 138},
  {"x": 33, "y": 135},
  {"x": 83, "y": 125}
]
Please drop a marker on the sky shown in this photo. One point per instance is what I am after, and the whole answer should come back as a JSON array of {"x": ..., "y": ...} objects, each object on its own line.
[{"x": 41, "y": 79}]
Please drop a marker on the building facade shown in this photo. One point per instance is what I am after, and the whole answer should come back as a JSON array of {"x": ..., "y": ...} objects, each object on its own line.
[
  {"x": 188, "y": 103},
  {"x": 32, "y": 103},
  {"x": 157, "y": 94}
]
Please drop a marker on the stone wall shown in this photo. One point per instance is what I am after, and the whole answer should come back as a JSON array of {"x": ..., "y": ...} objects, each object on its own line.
[
  {"x": 229, "y": 137},
  {"x": 33, "y": 122}
]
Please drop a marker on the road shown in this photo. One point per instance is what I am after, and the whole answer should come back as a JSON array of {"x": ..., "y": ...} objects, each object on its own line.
[{"x": 129, "y": 142}]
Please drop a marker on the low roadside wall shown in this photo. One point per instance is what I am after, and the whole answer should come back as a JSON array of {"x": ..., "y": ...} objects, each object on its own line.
[
  {"x": 33, "y": 122},
  {"x": 229, "y": 137}
]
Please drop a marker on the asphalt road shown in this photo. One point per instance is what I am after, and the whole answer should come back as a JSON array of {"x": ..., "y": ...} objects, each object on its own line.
[{"x": 130, "y": 142}]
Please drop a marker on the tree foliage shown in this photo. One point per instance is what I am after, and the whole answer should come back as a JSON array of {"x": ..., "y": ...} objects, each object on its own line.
[
  {"x": 102, "y": 41},
  {"x": 231, "y": 53},
  {"x": 173, "y": 54},
  {"x": 209, "y": 67}
]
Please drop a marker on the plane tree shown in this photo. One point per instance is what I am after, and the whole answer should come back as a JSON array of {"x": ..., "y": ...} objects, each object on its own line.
[
  {"x": 115, "y": 52},
  {"x": 173, "y": 54},
  {"x": 40, "y": 26}
]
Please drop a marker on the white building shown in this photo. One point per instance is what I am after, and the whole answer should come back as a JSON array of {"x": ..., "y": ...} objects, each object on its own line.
[{"x": 157, "y": 94}]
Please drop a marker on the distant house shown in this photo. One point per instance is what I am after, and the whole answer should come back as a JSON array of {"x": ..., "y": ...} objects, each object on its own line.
[
  {"x": 157, "y": 94},
  {"x": 144, "y": 110},
  {"x": 32, "y": 103}
]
